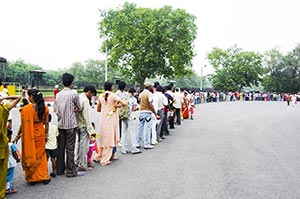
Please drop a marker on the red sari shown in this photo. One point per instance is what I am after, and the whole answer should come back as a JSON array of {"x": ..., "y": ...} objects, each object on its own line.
[{"x": 185, "y": 109}]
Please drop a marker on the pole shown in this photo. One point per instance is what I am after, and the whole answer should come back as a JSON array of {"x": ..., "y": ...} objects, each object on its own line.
[
  {"x": 106, "y": 60},
  {"x": 201, "y": 82}
]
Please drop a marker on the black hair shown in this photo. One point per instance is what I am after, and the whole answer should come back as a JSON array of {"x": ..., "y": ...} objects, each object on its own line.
[
  {"x": 50, "y": 117},
  {"x": 39, "y": 100},
  {"x": 93, "y": 124},
  {"x": 156, "y": 84},
  {"x": 107, "y": 87},
  {"x": 9, "y": 133},
  {"x": 67, "y": 79},
  {"x": 132, "y": 90},
  {"x": 122, "y": 85},
  {"x": 159, "y": 88},
  {"x": 90, "y": 88}
]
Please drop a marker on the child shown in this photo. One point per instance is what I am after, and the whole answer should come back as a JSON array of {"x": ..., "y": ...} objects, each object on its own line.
[
  {"x": 13, "y": 159},
  {"x": 51, "y": 146},
  {"x": 92, "y": 148}
]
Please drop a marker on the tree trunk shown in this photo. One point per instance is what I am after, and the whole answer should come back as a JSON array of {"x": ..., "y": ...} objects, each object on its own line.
[
  {"x": 141, "y": 84},
  {"x": 241, "y": 86}
]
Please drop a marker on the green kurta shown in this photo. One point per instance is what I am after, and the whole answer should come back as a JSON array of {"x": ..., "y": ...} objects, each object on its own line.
[{"x": 4, "y": 111}]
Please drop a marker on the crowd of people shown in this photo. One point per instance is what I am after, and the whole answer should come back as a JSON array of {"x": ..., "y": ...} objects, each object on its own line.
[
  {"x": 128, "y": 121},
  {"x": 216, "y": 96}
]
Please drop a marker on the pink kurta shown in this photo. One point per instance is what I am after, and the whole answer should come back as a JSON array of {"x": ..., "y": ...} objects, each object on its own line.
[{"x": 109, "y": 126}]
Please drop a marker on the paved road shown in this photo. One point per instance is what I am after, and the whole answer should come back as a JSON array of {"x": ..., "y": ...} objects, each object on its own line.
[{"x": 230, "y": 150}]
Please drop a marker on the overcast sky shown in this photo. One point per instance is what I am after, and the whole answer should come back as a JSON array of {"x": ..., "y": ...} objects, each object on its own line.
[{"x": 54, "y": 34}]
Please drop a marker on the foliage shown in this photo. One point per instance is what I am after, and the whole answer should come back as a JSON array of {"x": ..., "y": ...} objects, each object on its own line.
[
  {"x": 235, "y": 68},
  {"x": 282, "y": 71},
  {"x": 91, "y": 72},
  {"x": 18, "y": 71},
  {"x": 191, "y": 80},
  {"x": 150, "y": 42}
]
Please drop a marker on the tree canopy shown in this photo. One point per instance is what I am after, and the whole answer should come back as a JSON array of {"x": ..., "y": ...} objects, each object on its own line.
[
  {"x": 235, "y": 68},
  {"x": 282, "y": 71},
  {"x": 150, "y": 42}
]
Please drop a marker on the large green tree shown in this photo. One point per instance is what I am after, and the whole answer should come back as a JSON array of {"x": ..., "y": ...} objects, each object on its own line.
[
  {"x": 282, "y": 71},
  {"x": 235, "y": 68},
  {"x": 146, "y": 43},
  {"x": 274, "y": 65}
]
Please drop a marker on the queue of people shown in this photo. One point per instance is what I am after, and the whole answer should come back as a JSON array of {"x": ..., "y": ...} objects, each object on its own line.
[{"x": 143, "y": 121}]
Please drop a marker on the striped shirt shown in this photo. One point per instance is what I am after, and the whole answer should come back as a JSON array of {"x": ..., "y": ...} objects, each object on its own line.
[{"x": 66, "y": 101}]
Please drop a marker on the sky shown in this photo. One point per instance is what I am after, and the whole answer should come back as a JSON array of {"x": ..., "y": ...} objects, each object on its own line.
[{"x": 54, "y": 34}]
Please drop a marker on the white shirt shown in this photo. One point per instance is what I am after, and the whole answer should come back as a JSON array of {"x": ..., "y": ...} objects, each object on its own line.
[
  {"x": 11, "y": 160},
  {"x": 51, "y": 139},
  {"x": 132, "y": 102},
  {"x": 159, "y": 101},
  {"x": 178, "y": 97}
]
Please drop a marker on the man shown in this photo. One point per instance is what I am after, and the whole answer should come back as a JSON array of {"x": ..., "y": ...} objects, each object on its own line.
[
  {"x": 172, "y": 109},
  {"x": 66, "y": 105},
  {"x": 162, "y": 101},
  {"x": 146, "y": 109},
  {"x": 85, "y": 128},
  {"x": 4, "y": 112},
  {"x": 178, "y": 100}
]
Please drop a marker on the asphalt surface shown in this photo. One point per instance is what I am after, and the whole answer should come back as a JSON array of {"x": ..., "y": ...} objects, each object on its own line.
[{"x": 230, "y": 150}]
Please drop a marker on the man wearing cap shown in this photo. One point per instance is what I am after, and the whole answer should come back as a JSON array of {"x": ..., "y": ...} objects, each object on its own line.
[{"x": 146, "y": 109}]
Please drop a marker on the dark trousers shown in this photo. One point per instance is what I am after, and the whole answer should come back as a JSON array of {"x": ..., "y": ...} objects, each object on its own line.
[
  {"x": 164, "y": 128},
  {"x": 171, "y": 121},
  {"x": 178, "y": 116},
  {"x": 66, "y": 145}
]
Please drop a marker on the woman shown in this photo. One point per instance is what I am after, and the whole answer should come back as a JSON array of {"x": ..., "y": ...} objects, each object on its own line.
[
  {"x": 109, "y": 124},
  {"x": 185, "y": 109},
  {"x": 34, "y": 130}
]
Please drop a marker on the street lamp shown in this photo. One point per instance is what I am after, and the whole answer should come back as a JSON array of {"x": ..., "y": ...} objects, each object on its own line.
[
  {"x": 201, "y": 82},
  {"x": 106, "y": 59}
]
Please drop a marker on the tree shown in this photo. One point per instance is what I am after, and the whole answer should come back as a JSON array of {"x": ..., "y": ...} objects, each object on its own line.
[
  {"x": 282, "y": 71},
  {"x": 18, "y": 71},
  {"x": 274, "y": 65},
  {"x": 91, "y": 72},
  {"x": 151, "y": 42},
  {"x": 235, "y": 68}
]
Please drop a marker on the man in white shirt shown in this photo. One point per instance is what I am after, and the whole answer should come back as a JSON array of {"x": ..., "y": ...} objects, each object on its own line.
[
  {"x": 178, "y": 100},
  {"x": 159, "y": 101}
]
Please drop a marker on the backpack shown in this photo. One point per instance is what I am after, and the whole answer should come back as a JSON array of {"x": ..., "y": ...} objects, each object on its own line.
[{"x": 124, "y": 112}]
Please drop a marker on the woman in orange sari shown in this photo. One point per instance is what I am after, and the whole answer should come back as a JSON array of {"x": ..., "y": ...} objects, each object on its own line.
[
  {"x": 109, "y": 124},
  {"x": 185, "y": 109},
  {"x": 34, "y": 130}
]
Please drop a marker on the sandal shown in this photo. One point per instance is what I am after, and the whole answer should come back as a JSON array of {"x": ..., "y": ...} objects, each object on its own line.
[
  {"x": 106, "y": 163},
  {"x": 9, "y": 191},
  {"x": 114, "y": 157}
]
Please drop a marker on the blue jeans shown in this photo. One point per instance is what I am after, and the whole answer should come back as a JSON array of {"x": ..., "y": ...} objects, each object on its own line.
[{"x": 145, "y": 119}]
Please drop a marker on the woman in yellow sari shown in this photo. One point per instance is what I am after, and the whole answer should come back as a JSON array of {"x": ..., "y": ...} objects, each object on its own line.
[{"x": 33, "y": 130}]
